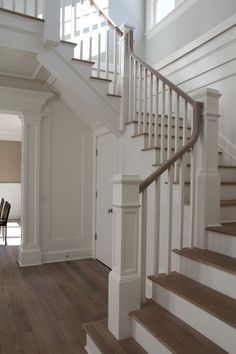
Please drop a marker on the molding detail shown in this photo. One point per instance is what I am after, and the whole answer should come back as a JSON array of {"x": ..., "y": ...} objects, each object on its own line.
[
  {"x": 171, "y": 17},
  {"x": 66, "y": 255}
]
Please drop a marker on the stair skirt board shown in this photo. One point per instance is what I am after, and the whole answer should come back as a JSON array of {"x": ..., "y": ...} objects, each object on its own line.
[
  {"x": 221, "y": 243},
  {"x": 208, "y": 275},
  {"x": 150, "y": 343},
  {"x": 216, "y": 330},
  {"x": 91, "y": 347}
]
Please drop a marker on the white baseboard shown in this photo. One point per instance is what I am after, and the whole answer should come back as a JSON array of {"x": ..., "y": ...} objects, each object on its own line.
[
  {"x": 148, "y": 289},
  {"x": 66, "y": 255},
  {"x": 227, "y": 147},
  {"x": 29, "y": 258}
]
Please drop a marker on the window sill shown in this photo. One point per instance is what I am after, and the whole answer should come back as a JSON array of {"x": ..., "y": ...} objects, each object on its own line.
[{"x": 171, "y": 17}]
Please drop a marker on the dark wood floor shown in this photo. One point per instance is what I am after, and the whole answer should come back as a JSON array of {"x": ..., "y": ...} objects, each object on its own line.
[{"x": 42, "y": 308}]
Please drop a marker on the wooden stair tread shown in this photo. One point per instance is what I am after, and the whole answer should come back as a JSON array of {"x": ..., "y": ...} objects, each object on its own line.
[
  {"x": 113, "y": 95},
  {"x": 173, "y": 333},
  {"x": 211, "y": 258},
  {"x": 159, "y": 124},
  {"x": 100, "y": 78},
  {"x": 107, "y": 343},
  {"x": 227, "y": 166},
  {"x": 68, "y": 43},
  {"x": 217, "y": 304},
  {"x": 83, "y": 61},
  {"x": 228, "y": 202},
  {"x": 226, "y": 228}
]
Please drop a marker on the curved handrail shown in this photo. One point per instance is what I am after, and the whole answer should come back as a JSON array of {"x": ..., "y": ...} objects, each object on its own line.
[
  {"x": 197, "y": 119},
  {"x": 107, "y": 18}
]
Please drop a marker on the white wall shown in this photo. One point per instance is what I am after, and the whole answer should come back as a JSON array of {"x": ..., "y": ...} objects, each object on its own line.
[
  {"x": 198, "y": 19},
  {"x": 12, "y": 193},
  {"x": 131, "y": 12},
  {"x": 66, "y": 185}
]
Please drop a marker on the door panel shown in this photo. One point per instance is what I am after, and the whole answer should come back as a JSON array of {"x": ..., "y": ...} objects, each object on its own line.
[{"x": 107, "y": 166}]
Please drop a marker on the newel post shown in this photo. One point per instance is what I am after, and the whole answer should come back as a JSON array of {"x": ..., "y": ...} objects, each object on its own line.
[
  {"x": 124, "y": 75},
  {"x": 125, "y": 277},
  {"x": 207, "y": 175},
  {"x": 52, "y": 22}
]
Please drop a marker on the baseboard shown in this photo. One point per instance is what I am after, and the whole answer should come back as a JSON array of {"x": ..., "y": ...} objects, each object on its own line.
[
  {"x": 29, "y": 258},
  {"x": 227, "y": 147},
  {"x": 148, "y": 289},
  {"x": 66, "y": 255}
]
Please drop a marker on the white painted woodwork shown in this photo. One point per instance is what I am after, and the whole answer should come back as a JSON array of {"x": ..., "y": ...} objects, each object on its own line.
[
  {"x": 124, "y": 293},
  {"x": 216, "y": 330},
  {"x": 207, "y": 175},
  {"x": 221, "y": 243},
  {"x": 106, "y": 167}
]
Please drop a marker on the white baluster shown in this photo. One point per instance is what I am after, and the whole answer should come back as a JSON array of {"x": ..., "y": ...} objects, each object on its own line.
[
  {"x": 63, "y": 19},
  {"x": 99, "y": 56},
  {"x": 177, "y": 135},
  {"x": 36, "y": 8},
  {"x": 1, "y": 3},
  {"x": 107, "y": 50},
  {"x": 156, "y": 113},
  {"x": 181, "y": 201},
  {"x": 143, "y": 245},
  {"x": 192, "y": 196},
  {"x": 81, "y": 49},
  {"x": 169, "y": 129},
  {"x": 145, "y": 101},
  {"x": 170, "y": 216},
  {"x": 135, "y": 90},
  {"x": 150, "y": 130},
  {"x": 115, "y": 63},
  {"x": 157, "y": 209},
  {"x": 25, "y": 7},
  {"x": 13, "y": 5},
  {"x": 131, "y": 88},
  {"x": 163, "y": 123},
  {"x": 90, "y": 47},
  {"x": 185, "y": 122},
  {"x": 140, "y": 128}
]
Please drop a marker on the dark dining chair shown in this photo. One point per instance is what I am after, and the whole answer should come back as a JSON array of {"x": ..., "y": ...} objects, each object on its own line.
[
  {"x": 4, "y": 220},
  {"x": 1, "y": 206}
]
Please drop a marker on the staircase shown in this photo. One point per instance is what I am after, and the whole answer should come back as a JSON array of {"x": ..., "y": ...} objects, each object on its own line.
[{"x": 193, "y": 305}]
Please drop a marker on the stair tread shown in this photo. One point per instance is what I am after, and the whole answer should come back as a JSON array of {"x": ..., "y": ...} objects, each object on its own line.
[
  {"x": 73, "y": 44},
  {"x": 83, "y": 61},
  {"x": 113, "y": 95},
  {"x": 172, "y": 332},
  {"x": 226, "y": 228},
  {"x": 217, "y": 304},
  {"x": 100, "y": 78},
  {"x": 159, "y": 124},
  {"x": 211, "y": 258},
  {"x": 22, "y": 15},
  {"x": 228, "y": 202},
  {"x": 107, "y": 343}
]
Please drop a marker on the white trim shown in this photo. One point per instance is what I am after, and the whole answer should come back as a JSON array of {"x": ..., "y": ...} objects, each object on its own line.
[
  {"x": 171, "y": 17},
  {"x": 200, "y": 41},
  {"x": 66, "y": 255}
]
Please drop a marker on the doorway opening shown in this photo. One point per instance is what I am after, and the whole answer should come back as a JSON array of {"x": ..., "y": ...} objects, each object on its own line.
[{"x": 10, "y": 174}]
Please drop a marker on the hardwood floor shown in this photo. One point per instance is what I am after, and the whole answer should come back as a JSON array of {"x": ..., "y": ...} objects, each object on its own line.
[{"x": 42, "y": 308}]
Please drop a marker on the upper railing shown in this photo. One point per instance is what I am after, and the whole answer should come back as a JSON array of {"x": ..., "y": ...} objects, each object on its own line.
[{"x": 34, "y": 8}]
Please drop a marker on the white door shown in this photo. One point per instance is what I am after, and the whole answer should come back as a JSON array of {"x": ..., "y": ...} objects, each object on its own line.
[{"x": 107, "y": 165}]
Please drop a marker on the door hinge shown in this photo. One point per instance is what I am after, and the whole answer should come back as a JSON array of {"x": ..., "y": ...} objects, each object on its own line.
[
  {"x": 96, "y": 236},
  {"x": 96, "y": 152}
]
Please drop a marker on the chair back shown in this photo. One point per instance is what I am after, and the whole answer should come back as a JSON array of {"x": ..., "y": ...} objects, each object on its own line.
[
  {"x": 1, "y": 206},
  {"x": 6, "y": 212}
]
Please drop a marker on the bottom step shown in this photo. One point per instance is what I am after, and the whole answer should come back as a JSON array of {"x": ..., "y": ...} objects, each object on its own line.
[
  {"x": 100, "y": 340},
  {"x": 173, "y": 333}
]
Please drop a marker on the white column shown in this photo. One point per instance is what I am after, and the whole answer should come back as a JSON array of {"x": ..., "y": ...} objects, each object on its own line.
[
  {"x": 52, "y": 22},
  {"x": 124, "y": 279},
  {"x": 124, "y": 75},
  {"x": 207, "y": 175},
  {"x": 30, "y": 252}
]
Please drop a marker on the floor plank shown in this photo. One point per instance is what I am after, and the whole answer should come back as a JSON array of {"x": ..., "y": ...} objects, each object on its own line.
[{"x": 43, "y": 308}]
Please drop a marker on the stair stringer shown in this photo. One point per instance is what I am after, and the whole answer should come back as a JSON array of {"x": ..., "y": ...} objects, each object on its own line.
[{"x": 93, "y": 103}]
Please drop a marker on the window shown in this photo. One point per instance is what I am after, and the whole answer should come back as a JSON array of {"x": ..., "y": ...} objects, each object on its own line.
[{"x": 162, "y": 8}]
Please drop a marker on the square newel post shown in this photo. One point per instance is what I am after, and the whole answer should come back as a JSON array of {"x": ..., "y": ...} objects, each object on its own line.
[
  {"x": 125, "y": 278},
  {"x": 52, "y": 22},
  {"x": 207, "y": 175},
  {"x": 124, "y": 75}
]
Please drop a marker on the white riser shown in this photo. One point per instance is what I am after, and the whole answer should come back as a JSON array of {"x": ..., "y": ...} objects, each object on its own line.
[
  {"x": 91, "y": 347},
  {"x": 217, "y": 331},
  {"x": 215, "y": 278},
  {"x": 221, "y": 243},
  {"x": 100, "y": 86},
  {"x": 227, "y": 174},
  {"x": 84, "y": 69},
  {"x": 150, "y": 343},
  {"x": 115, "y": 102},
  {"x": 228, "y": 213}
]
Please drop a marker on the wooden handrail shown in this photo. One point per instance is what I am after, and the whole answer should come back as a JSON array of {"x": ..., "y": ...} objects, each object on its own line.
[
  {"x": 197, "y": 119},
  {"x": 107, "y": 18}
]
